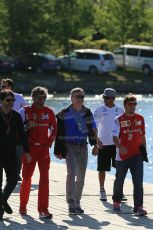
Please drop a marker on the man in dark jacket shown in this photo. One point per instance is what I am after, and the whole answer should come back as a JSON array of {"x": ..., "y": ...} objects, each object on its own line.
[
  {"x": 11, "y": 129},
  {"x": 75, "y": 124}
]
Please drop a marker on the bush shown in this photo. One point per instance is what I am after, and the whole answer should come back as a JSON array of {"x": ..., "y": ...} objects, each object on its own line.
[{"x": 88, "y": 43}]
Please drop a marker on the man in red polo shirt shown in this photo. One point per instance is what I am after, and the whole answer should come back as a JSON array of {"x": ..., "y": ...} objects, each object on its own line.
[
  {"x": 40, "y": 122},
  {"x": 128, "y": 135}
]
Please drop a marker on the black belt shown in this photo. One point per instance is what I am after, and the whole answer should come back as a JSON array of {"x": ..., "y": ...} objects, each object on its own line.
[{"x": 77, "y": 143}]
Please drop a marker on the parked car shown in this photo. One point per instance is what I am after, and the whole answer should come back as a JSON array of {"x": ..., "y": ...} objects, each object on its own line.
[
  {"x": 90, "y": 60},
  {"x": 135, "y": 56},
  {"x": 38, "y": 62},
  {"x": 6, "y": 64}
]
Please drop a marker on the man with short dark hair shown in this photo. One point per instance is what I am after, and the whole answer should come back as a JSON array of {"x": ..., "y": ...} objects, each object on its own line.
[
  {"x": 40, "y": 123},
  {"x": 75, "y": 124},
  {"x": 7, "y": 83},
  {"x": 11, "y": 129},
  {"x": 129, "y": 135},
  {"x": 104, "y": 116}
]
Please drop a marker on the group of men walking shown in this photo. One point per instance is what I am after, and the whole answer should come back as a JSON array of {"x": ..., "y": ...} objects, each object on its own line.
[{"x": 109, "y": 130}]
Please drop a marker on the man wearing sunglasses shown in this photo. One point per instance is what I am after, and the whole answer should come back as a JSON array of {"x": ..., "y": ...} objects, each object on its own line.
[
  {"x": 104, "y": 117},
  {"x": 128, "y": 135},
  {"x": 40, "y": 123},
  {"x": 7, "y": 83},
  {"x": 11, "y": 129},
  {"x": 75, "y": 124}
]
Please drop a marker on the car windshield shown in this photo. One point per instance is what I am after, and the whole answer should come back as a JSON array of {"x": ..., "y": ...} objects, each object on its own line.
[
  {"x": 5, "y": 58},
  {"x": 108, "y": 57},
  {"x": 118, "y": 51},
  {"x": 49, "y": 57},
  {"x": 72, "y": 55}
]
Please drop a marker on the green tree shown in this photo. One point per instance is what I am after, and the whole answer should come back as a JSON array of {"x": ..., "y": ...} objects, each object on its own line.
[
  {"x": 3, "y": 28},
  {"x": 26, "y": 25},
  {"x": 122, "y": 20},
  {"x": 70, "y": 17}
]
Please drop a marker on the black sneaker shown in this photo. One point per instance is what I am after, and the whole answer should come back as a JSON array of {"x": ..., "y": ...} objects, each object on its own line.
[
  {"x": 45, "y": 215},
  {"x": 79, "y": 210},
  {"x": 7, "y": 208},
  {"x": 72, "y": 208},
  {"x": 1, "y": 214},
  {"x": 140, "y": 212}
]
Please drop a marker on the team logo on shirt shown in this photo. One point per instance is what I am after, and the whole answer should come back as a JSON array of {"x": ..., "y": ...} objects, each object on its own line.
[
  {"x": 45, "y": 116},
  {"x": 137, "y": 122},
  {"x": 125, "y": 123},
  {"x": 104, "y": 110}
]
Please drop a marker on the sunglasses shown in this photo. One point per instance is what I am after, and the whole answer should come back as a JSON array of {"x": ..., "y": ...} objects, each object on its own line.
[
  {"x": 41, "y": 97},
  {"x": 4, "y": 86},
  {"x": 131, "y": 103},
  {"x": 107, "y": 98},
  {"x": 9, "y": 100},
  {"x": 79, "y": 96}
]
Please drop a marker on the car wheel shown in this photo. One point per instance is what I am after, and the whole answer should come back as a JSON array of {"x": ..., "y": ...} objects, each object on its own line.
[
  {"x": 146, "y": 70},
  {"x": 92, "y": 70},
  {"x": 39, "y": 70}
]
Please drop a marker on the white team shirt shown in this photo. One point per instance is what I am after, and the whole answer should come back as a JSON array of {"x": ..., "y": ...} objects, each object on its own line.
[
  {"x": 22, "y": 113},
  {"x": 116, "y": 132},
  {"x": 19, "y": 102},
  {"x": 104, "y": 117}
]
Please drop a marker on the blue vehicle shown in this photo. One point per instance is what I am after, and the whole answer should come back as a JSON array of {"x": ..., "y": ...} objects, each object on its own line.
[
  {"x": 38, "y": 62},
  {"x": 7, "y": 65}
]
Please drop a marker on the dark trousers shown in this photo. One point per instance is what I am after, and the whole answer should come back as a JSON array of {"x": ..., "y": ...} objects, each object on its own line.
[
  {"x": 19, "y": 152},
  {"x": 10, "y": 167},
  {"x": 135, "y": 164}
]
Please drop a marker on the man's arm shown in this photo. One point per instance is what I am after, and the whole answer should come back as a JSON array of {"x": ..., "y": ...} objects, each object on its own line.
[
  {"x": 95, "y": 148},
  {"x": 115, "y": 135},
  {"x": 143, "y": 137},
  {"x": 143, "y": 140},
  {"x": 121, "y": 148},
  {"x": 53, "y": 128},
  {"x": 23, "y": 138}
]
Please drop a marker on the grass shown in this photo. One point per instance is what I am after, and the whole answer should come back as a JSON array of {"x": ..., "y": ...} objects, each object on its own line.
[{"x": 122, "y": 80}]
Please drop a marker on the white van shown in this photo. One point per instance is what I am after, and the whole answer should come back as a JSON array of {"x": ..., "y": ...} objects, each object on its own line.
[
  {"x": 90, "y": 60},
  {"x": 135, "y": 56}
]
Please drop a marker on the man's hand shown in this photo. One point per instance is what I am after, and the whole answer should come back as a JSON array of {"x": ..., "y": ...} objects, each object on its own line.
[
  {"x": 31, "y": 124},
  {"x": 28, "y": 157},
  {"x": 100, "y": 144},
  {"x": 59, "y": 156},
  {"x": 95, "y": 150},
  {"x": 123, "y": 150}
]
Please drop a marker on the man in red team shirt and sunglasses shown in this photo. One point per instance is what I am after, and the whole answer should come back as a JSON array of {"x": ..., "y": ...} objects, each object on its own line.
[
  {"x": 128, "y": 135},
  {"x": 41, "y": 126}
]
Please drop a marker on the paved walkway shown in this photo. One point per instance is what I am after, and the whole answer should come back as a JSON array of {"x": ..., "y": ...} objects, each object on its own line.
[{"x": 97, "y": 215}]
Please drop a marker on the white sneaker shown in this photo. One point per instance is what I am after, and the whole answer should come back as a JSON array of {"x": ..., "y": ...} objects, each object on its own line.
[
  {"x": 103, "y": 196},
  {"x": 124, "y": 198}
]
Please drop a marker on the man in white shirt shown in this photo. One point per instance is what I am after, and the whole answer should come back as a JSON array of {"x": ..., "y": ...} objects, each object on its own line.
[
  {"x": 19, "y": 102},
  {"x": 104, "y": 116},
  {"x": 7, "y": 83}
]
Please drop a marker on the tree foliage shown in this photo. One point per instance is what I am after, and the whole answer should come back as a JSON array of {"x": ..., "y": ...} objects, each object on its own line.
[{"x": 52, "y": 25}]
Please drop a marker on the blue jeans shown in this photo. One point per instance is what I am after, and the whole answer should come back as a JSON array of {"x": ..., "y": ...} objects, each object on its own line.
[{"x": 135, "y": 164}]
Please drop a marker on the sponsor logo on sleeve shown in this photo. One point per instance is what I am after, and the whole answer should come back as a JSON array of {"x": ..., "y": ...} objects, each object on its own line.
[
  {"x": 137, "y": 122},
  {"x": 125, "y": 123}
]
